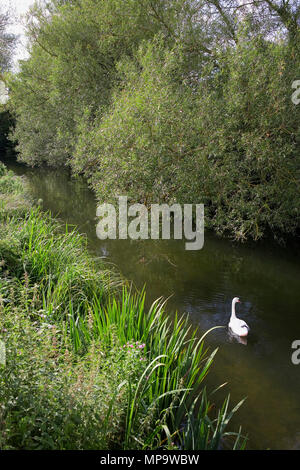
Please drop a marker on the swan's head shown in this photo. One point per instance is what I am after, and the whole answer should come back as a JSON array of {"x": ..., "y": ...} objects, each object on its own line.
[{"x": 235, "y": 300}]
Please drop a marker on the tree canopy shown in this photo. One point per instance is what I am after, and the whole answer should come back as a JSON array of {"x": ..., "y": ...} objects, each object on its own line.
[{"x": 169, "y": 100}]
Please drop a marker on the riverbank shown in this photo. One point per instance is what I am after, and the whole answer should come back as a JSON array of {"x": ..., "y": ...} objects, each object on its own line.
[{"x": 87, "y": 366}]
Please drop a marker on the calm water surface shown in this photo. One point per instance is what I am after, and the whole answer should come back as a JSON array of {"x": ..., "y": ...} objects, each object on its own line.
[{"x": 202, "y": 283}]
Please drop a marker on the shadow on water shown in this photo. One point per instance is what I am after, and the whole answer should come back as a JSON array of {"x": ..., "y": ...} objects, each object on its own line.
[{"x": 202, "y": 283}]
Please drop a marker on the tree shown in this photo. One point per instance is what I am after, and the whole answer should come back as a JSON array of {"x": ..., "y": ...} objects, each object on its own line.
[
  {"x": 7, "y": 44},
  {"x": 169, "y": 100}
]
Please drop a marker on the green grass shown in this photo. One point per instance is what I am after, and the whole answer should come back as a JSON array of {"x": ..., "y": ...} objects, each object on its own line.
[{"x": 88, "y": 366}]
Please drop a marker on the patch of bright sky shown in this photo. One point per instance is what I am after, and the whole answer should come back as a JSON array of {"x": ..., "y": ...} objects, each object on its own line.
[{"x": 18, "y": 9}]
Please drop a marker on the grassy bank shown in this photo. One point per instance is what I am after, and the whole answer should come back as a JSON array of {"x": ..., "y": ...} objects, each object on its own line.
[{"x": 87, "y": 366}]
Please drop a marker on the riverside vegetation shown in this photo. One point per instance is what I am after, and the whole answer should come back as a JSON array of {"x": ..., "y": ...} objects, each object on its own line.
[
  {"x": 87, "y": 366},
  {"x": 184, "y": 101}
]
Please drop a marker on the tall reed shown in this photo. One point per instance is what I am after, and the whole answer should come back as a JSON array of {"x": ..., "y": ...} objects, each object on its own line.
[{"x": 160, "y": 404}]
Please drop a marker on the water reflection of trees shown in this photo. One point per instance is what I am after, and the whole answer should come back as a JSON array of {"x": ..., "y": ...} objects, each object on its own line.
[{"x": 201, "y": 282}]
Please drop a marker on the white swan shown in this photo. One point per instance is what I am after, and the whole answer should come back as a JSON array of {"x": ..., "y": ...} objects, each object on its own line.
[{"x": 237, "y": 326}]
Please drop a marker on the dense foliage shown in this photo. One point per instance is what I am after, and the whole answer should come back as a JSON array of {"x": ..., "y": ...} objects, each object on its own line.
[
  {"x": 88, "y": 366},
  {"x": 179, "y": 100}
]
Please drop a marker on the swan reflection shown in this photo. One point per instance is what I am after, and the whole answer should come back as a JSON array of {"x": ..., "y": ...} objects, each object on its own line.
[{"x": 239, "y": 339}]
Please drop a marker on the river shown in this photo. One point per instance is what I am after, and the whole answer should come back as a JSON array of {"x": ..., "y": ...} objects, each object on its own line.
[{"x": 202, "y": 283}]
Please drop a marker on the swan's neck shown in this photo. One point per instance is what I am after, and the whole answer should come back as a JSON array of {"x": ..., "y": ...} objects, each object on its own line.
[{"x": 233, "y": 315}]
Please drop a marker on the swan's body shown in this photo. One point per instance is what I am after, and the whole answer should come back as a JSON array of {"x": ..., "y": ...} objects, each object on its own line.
[{"x": 237, "y": 326}]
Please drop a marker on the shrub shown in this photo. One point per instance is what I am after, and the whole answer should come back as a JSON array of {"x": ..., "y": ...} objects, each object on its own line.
[{"x": 228, "y": 138}]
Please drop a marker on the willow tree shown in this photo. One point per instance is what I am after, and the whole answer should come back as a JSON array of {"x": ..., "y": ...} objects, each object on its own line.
[
  {"x": 75, "y": 47},
  {"x": 169, "y": 100}
]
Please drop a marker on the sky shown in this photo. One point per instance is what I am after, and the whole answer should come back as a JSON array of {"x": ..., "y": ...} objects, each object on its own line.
[{"x": 18, "y": 7}]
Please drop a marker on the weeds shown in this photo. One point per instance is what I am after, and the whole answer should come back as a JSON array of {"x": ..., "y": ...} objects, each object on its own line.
[{"x": 88, "y": 366}]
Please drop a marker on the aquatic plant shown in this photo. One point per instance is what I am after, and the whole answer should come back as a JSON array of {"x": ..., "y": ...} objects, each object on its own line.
[{"x": 88, "y": 365}]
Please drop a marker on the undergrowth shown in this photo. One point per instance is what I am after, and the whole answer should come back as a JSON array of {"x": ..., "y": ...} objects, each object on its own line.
[{"x": 87, "y": 365}]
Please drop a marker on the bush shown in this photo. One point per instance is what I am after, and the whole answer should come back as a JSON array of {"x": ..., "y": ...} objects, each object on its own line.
[
  {"x": 52, "y": 398},
  {"x": 229, "y": 140},
  {"x": 168, "y": 101}
]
